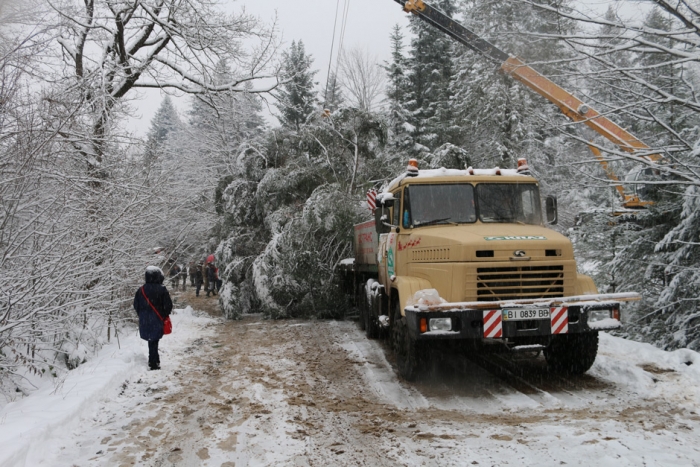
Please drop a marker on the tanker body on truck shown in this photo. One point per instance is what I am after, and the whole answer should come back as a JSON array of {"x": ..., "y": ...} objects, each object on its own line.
[{"x": 463, "y": 256}]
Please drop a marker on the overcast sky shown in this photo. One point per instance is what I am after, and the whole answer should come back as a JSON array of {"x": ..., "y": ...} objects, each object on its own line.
[{"x": 369, "y": 24}]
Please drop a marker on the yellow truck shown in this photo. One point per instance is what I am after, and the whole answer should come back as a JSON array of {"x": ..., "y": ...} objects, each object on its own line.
[{"x": 464, "y": 255}]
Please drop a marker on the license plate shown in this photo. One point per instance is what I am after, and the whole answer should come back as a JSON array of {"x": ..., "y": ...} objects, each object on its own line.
[{"x": 522, "y": 314}]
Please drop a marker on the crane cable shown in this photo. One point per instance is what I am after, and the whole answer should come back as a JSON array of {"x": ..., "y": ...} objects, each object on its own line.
[{"x": 346, "y": 9}]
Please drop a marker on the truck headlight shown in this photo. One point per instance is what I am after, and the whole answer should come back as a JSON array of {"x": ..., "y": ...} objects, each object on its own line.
[
  {"x": 441, "y": 324},
  {"x": 598, "y": 315}
]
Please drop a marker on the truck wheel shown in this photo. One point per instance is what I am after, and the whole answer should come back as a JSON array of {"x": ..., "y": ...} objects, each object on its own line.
[
  {"x": 371, "y": 324},
  {"x": 572, "y": 354},
  {"x": 405, "y": 348},
  {"x": 361, "y": 300}
]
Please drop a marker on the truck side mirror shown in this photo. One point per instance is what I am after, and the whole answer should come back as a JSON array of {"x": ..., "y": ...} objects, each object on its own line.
[
  {"x": 380, "y": 220},
  {"x": 551, "y": 208},
  {"x": 381, "y": 216}
]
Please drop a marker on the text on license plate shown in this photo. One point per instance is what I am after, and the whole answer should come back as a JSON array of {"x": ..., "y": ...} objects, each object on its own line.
[{"x": 528, "y": 313}]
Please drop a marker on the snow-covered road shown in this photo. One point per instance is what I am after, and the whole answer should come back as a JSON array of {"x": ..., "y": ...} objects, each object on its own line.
[{"x": 318, "y": 393}]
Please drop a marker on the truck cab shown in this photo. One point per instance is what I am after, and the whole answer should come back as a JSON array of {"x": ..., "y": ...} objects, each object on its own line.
[{"x": 472, "y": 235}]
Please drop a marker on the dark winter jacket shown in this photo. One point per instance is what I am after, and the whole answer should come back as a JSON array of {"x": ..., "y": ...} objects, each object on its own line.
[
  {"x": 198, "y": 278},
  {"x": 150, "y": 325},
  {"x": 211, "y": 273}
]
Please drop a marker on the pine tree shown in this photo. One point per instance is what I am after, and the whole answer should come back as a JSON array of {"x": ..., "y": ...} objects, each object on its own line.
[
  {"x": 164, "y": 126},
  {"x": 222, "y": 125},
  {"x": 333, "y": 94},
  {"x": 500, "y": 120},
  {"x": 656, "y": 70},
  {"x": 296, "y": 97},
  {"x": 676, "y": 315},
  {"x": 430, "y": 72},
  {"x": 396, "y": 92}
]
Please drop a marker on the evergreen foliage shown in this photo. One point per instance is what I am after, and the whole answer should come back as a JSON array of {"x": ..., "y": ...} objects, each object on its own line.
[
  {"x": 164, "y": 127},
  {"x": 333, "y": 94},
  {"x": 296, "y": 97},
  {"x": 674, "y": 320},
  {"x": 431, "y": 70},
  {"x": 397, "y": 93}
]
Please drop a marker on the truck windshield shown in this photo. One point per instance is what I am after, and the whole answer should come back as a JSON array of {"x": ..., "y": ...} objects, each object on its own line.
[
  {"x": 512, "y": 202},
  {"x": 438, "y": 204}
]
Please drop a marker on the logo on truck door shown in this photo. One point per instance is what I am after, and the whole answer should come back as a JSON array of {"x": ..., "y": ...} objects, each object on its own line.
[{"x": 391, "y": 245}]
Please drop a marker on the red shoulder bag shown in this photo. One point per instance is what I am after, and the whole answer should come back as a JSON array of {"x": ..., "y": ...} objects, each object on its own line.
[{"x": 167, "y": 324}]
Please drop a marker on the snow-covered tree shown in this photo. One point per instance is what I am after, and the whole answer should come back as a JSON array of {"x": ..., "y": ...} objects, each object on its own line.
[
  {"x": 396, "y": 92},
  {"x": 164, "y": 127},
  {"x": 675, "y": 319},
  {"x": 296, "y": 97},
  {"x": 333, "y": 97},
  {"x": 431, "y": 69}
]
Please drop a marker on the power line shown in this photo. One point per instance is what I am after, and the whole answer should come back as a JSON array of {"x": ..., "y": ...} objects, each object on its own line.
[
  {"x": 342, "y": 36},
  {"x": 330, "y": 59}
]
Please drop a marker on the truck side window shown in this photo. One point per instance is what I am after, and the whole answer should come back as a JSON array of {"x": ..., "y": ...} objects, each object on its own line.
[{"x": 397, "y": 209}]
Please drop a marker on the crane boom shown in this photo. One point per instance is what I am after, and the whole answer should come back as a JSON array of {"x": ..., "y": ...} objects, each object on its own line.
[{"x": 569, "y": 104}]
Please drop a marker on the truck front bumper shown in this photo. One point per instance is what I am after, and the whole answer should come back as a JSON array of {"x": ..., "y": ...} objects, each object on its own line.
[{"x": 509, "y": 320}]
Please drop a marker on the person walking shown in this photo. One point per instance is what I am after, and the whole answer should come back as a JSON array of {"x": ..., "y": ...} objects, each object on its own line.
[
  {"x": 205, "y": 275},
  {"x": 198, "y": 278},
  {"x": 191, "y": 268},
  {"x": 174, "y": 276},
  {"x": 153, "y": 305},
  {"x": 218, "y": 280},
  {"x": 183, "y": 273},
  {"x": 211, "y": 276}
]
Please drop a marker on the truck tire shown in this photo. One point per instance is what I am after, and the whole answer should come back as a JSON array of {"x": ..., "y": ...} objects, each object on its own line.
[
  {"x": 361, "y": 300},
  {"x": 572, "y": 354},
  {"x": 405, "y": 348}
]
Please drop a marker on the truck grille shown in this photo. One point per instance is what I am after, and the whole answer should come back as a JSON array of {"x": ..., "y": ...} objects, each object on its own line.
[{"x": 510, "y": 283}]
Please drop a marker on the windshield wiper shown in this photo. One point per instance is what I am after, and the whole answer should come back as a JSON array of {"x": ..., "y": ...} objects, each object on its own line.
[{"x": 435, "y": 221}]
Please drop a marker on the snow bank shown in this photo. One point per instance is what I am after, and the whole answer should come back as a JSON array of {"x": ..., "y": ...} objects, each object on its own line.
[{"x": 650, "y": 372}]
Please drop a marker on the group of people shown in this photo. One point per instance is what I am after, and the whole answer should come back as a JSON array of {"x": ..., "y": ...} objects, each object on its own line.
[{"x": 203, "y": 273}]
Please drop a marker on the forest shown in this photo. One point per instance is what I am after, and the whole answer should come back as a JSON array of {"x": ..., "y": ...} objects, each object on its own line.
[{"x": 85, "y": 205}]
